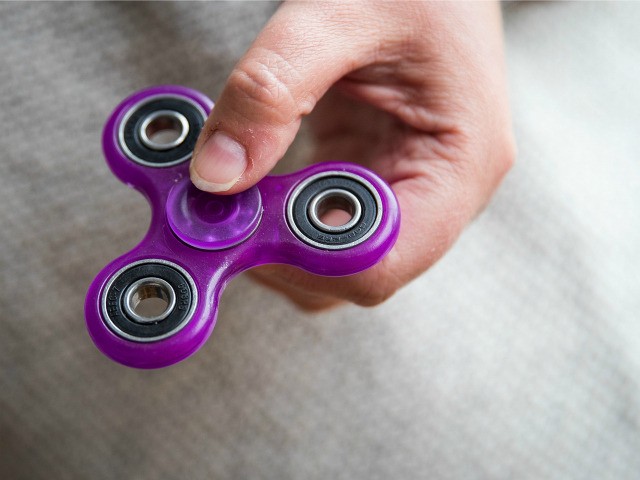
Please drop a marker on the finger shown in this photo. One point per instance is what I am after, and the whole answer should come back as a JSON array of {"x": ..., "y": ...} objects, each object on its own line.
[
  {"x": 292, "y": 63},
  {"x": 269, "y": 276}
]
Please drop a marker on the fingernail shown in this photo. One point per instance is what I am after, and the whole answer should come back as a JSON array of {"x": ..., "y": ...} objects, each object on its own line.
[{"x": 219, "y": 164}]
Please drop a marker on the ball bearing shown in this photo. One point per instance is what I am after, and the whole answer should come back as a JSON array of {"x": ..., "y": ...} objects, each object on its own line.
[
  {"x": 344, "y": 191},
  {"x": 166, "y": 284},
  {"x": 161, "y": 131}
]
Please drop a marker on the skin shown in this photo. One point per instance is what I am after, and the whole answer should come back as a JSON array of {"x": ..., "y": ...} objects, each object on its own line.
[{"x": 414, "y": 91}]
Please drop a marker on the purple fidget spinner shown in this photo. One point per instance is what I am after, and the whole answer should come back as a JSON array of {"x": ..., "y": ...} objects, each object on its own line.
[{"x": 157, "y": 304}]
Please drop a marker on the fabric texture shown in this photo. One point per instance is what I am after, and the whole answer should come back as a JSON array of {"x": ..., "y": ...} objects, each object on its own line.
[{"x": 516, "y": 356}]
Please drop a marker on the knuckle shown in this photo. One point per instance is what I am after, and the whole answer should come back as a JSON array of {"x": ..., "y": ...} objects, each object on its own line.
[
  {"x": 374, "y": 293},
  {"x": 266, "y": 81},
  {"x": 311, "y": 304},
  {"x": 507, "y": 157}
]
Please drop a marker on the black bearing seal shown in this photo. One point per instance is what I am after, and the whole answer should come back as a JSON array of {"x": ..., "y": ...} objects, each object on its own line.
[
  {"x": 122, "y": 324},
  {"x": 301, "y": 198},
  {"x": 129, "y": 132}
]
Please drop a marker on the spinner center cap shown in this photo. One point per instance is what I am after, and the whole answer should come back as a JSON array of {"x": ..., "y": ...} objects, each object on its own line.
[{"x": 212, "y": 222}]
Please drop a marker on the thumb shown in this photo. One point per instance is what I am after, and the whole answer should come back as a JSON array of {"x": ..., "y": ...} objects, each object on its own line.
[{"x": 296, "y": 58}]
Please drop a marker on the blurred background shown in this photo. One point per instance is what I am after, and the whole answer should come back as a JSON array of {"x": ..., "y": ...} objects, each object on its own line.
[{"x": 516, "y": 356}]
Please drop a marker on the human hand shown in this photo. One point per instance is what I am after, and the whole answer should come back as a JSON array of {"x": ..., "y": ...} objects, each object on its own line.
[{"x": 414, "y": 91}]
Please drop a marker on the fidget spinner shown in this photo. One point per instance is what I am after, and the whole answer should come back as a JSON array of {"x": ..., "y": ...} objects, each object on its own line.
[{"x": 157, "y": 304}]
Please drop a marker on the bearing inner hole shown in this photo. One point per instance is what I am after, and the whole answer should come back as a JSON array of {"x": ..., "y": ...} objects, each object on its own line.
[
  {"x": 164, "y": 129},
  {"x": 335, "y": 210},
  {"x": 149, "y": 300}
]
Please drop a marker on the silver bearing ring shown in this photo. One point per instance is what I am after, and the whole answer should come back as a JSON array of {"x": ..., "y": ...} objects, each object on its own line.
[{"x": 334, "y": 190}]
